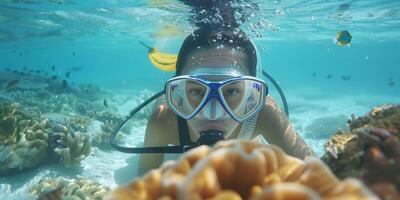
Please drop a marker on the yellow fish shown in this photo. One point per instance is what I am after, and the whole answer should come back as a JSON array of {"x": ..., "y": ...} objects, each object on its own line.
[
  {"x": 163, "y": 61},
  {"x": 343, "y": 38}
]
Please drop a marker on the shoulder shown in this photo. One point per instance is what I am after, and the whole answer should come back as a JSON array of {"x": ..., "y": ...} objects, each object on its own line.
[
  {"x": 162, "y": 122},
  {"x": 271, "y": 108},
  {"x": 270, "y": 117}
]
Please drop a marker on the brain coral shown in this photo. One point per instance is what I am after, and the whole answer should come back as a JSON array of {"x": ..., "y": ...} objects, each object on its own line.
[{"x": 238, "y": 170}]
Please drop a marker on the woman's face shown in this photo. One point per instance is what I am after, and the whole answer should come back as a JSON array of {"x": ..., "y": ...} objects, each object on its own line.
[{"x": 220, "y": 60}]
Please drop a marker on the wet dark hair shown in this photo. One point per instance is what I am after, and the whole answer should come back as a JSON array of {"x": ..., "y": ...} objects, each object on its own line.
[{"x": 211, "y": 37}]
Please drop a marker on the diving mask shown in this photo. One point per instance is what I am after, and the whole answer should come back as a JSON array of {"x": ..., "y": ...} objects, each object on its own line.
[{"x": 237, "y": 96}]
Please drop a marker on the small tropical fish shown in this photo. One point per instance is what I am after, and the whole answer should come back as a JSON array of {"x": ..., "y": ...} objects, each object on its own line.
[
  {"x": 24, "y": 68},
  {"x": 37, "y": 71},
  {"x": 13, "y": 84},
  {"x": 73, "y": 53},
  {"x": 8, "y": 69},
  {"x": 105, "y": 103},
  {"x": 20, "y": 54},
  {"x": 329, "y": 76},
  {"x": 53, "y": 68},
  {"x": 15, "y": 71},
  {"x": 31, "y": 71},
  {"x": 54, "y": 78},
  {"x": 346, "y": 78},
  {"x": 64, "y": 84},
  {"x": 391, "y": 83},
  {"x": 55, "y": 194},
  {"x": 314, "y": 74},
  {"x": 344, "y": 7},
  {"x": 342, "y": 38},
  {"x": 67, "y": 74}
]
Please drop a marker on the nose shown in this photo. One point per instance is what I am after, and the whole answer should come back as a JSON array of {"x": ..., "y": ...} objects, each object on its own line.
[{"x": 213, "y": 110}]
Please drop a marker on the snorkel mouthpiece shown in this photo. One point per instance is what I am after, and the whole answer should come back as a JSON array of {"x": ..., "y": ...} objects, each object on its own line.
[{"x": 210, "y": 137}]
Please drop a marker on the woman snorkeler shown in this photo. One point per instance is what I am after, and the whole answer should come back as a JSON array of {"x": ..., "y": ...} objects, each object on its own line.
[{"x": 216, "y": 94}]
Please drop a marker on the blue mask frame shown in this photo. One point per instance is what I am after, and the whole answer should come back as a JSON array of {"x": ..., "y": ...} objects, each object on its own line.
[{"x": 214, "y": 92}]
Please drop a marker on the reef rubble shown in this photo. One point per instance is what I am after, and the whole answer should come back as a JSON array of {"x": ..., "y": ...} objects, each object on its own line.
[{"x": 239, "y": 169}]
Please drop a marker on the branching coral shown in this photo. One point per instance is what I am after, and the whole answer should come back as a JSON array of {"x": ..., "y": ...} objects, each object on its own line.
[
  {"x": 79, "y": 122},
  {"x": 108, "y": 116},
  {"x": 72, "y": 147},
  {"x": 241, "y": 170},
  {"x": 80, "y": 188},
  {"x": 102, "y": 137},
  {"x": 23, "y": 140}
]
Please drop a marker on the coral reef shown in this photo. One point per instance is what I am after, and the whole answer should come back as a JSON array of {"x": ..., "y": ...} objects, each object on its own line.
[
  {"x": 343, "y": 155},
  {"x": 381, "y": 162},
  {"x": 102, "y": 137},
  {"x": 71, "y": 147},
  {"x": 105, "y": 116},
  {"x": 23, "y": 140},
  {"x": 325, "y": 127},
  {"x": 79, "y": 122},
  {"x": 79, "y": 188},
  {"x": 100, "y": 133},
  {"x": 88, "y": 91},
  {"x": 386, "y": 116},
  {"x": 26, "y": 141},
  {"x": 371, "y": 151},
  {"x": 241, "y": 170}
]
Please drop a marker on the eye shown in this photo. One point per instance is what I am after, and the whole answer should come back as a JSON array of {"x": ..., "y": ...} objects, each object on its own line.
[
  {"x": 196, "y": 92},
  {"x": 231, "y": 92}
]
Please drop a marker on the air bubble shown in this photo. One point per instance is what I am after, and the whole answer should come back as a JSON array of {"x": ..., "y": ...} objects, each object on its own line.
[
  {"x": 236, "y": 31},
  {"x": 231, "y": 41}
]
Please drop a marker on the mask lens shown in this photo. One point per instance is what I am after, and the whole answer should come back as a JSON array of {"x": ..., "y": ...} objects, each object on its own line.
[
  {"x": 243, "y": 97},
  {"x": 186, "y": 95}
]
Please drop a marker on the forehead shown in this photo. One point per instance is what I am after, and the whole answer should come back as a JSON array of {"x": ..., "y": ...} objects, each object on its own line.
[{"x": 215, "y": 61}]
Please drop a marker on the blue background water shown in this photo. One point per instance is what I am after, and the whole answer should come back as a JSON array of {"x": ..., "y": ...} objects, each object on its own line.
[
  {"x": 296, "y": 42},
  {"x": 124, "y": 64}
]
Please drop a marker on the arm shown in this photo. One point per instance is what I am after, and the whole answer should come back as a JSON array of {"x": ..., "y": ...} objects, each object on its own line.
[
  {"x": 161, "y": 130},
  {"x": 277, "y": 130}
]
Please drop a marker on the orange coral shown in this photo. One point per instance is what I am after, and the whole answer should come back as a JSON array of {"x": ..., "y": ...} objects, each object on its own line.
[{"x": 238, "y": 170}]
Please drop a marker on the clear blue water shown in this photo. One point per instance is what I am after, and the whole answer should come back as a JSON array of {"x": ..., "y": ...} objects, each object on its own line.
[{"x": 294, "y": 39}]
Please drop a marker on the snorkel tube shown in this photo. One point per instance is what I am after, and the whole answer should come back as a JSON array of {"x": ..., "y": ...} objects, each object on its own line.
[{"x": 209, "y": 137}]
